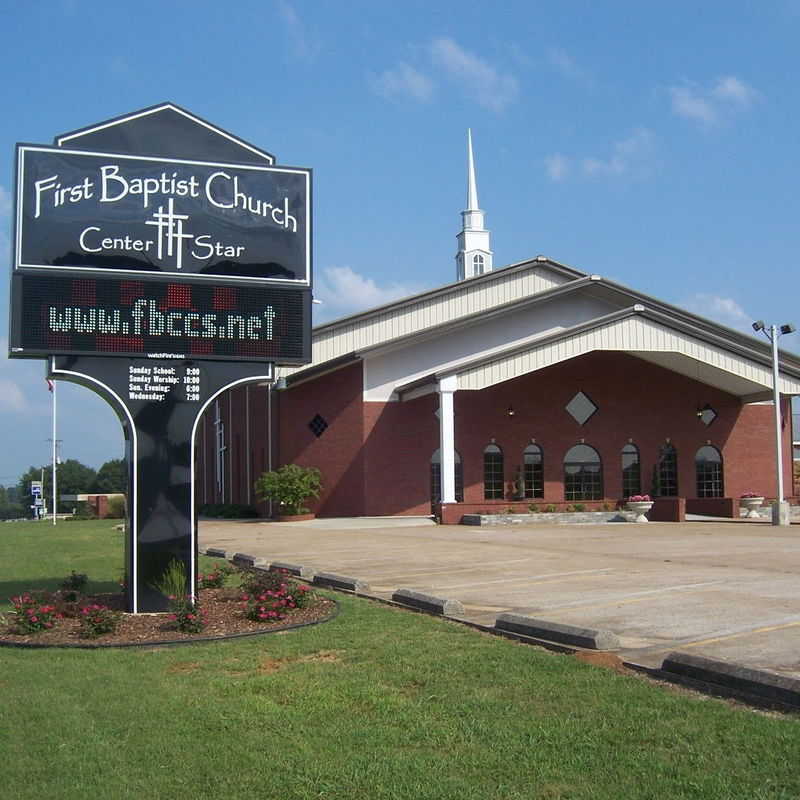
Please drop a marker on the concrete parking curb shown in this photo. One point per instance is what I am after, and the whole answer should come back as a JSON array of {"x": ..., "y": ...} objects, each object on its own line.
[
  {"x": 340, "y": 582},
  {"x": 588, "y": 638},
  {"x": 215, "y": 552},
  {"x": 427, "y": 602},
  {"x": 754, "y": 682},
  {"x": 293, "y": 569},
  {"x": 245, "y": 560}
]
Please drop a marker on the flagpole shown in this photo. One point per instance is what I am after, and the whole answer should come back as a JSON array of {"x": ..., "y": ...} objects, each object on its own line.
[{"x": 55, "y": 446}]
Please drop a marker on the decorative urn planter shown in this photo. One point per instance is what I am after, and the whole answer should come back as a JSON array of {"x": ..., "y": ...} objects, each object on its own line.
[
  {"x": 751, "y": 506},
  {"x": 639, "y": 508}
]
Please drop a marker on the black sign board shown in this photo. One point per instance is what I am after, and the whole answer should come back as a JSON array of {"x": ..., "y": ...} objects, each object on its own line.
[
  {"x": 102, "y": 211},
  {"x": 88, "y": 315},
  {"x": 160, "y": 261}
]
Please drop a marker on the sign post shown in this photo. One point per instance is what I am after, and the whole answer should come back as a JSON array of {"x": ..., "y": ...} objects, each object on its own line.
[{"x": 160, "y": 281}]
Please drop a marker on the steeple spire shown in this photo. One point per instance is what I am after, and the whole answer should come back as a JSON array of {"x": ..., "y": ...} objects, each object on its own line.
[
  {"x": 474, "y": 257},
  {"x": 472, "y": 187}
]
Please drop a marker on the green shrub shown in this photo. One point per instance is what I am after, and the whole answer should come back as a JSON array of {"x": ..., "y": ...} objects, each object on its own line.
[
  {"x": 579, "y": 507},
  {"x": 75, "y": 582},
  {"x": 173, "y": 580},
  {"x": 187, "y": 614},
  {"x": 228, "y": 511},
  {"x": 214, "y": 579},
  {"x": 290, "y": 487},
  {"x": 116, "y": 508},
  {"x": 32, "y": 613},
  {"x": 550, "y": 508},
  {"x": 97, "y": 619}
]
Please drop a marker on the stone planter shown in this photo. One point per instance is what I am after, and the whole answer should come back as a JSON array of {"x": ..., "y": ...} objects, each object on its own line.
[
  {"x": 294, "y": 517},
  {"x": 751, "y": 506},
  {"x": 639, "y": 508}
]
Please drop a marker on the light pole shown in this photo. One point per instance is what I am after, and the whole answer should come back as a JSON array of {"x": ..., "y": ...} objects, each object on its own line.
[{"x": 780, "y": 511}]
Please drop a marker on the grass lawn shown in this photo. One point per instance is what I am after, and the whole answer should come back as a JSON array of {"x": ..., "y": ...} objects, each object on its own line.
[{"x": 379, "y": 703}]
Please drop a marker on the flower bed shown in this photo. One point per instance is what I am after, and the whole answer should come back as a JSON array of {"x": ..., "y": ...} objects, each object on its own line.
[{"x": 222, "y": 612}]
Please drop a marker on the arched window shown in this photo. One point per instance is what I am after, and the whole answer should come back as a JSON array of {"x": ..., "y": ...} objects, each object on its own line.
[
  {"x": 477, "y": 264},
  {"x": 666, "y": 484},
  {"x": 492, "y": 472},
  {"x": 533, "y": 471},
  {"x": 436, "y": 478},
  {"x": 583, "y": 474},
  {"x": 708, "y": 466},
  {"x": 631, "y": 471}
]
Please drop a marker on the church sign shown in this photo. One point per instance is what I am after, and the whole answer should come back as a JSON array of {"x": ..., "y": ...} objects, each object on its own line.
[
  {"x": 159, "y": 261},
  {"x": 233, "y": 240},
  {"x": 82, "y": 211}
]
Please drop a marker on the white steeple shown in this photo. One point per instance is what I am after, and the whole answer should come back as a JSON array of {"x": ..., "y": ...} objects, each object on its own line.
[{"x": 474, "y": 257}]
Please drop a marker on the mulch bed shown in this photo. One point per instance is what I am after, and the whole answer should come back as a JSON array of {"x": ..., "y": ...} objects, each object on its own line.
[{"x": 222, "y": 606}]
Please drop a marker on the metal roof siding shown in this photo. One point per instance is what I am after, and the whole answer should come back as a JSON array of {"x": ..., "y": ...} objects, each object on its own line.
[
  {"x": 630, "y": 333},
  {"x": 430, "y": 310}
]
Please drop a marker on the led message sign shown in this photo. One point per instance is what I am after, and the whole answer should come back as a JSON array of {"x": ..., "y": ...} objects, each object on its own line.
[
  {"x": 158, "y": 319},
  {"x": 81, "y": 210}
]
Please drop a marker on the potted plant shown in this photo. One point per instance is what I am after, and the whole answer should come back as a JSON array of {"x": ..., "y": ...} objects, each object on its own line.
[
  {"x": 640, "y": 504},
  {"x": 751, "y": 502},
  {"x": 290, "y": 487}
]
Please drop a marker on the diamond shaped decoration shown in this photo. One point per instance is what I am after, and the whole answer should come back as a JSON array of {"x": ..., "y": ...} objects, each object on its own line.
[
  {"x": 318, "y": 426},
  {"x": 580, "y": 408},
  {"x": 707, "y": 415}
]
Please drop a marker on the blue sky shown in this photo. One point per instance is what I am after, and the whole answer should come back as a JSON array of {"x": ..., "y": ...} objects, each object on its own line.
[{"x": 652, "y": 143}]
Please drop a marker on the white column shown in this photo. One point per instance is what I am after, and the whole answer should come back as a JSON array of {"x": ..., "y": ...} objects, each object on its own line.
[{"x": 447, "y": 448}]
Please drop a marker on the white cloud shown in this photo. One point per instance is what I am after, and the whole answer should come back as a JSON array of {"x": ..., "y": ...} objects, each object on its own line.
[
  {"x": 629, "y": 155},
  {"x": 724, "y": 310},
  {"x": 708, "y": 105},
  {"x": 21, "y": 380},
  {"x": 5, "y": 202},
  {"x": 304, "y": 45},
  {"x": 404, "y": 81},
  {"x": 11, "y": 397},
  {"x": 344, "y": 291},
  {"x": 566, "y": 65},
  {"x": 557, "y": 167},
  {"x": 688, "y": 103},
  {"x": 492, "y": 89},
  {"x": 732, "y": 89}
]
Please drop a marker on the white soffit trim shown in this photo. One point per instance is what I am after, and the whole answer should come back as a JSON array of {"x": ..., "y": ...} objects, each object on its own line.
[{"x": 644, "y": 338}]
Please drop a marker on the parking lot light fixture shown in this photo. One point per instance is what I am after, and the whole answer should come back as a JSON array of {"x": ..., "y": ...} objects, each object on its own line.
[{"x": 780, "y": 510}]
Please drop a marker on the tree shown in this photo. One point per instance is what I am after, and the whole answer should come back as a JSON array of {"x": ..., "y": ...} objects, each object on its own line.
[
  {"x": 111, "y": 477},
  {"x": 290, "y": 487}
]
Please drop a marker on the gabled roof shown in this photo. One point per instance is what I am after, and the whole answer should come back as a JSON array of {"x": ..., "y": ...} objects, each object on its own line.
[
  {"x": 642, "y": 331},
  {"x": 345, "y": 340}
]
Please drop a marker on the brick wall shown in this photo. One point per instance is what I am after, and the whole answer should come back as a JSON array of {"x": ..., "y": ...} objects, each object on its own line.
[
  {"x": 337, "y": 397},
  {"x": 390, "y": 473}
]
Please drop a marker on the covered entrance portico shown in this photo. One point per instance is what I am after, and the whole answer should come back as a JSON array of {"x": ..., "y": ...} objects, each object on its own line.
[{"x": 636, "y": 401}]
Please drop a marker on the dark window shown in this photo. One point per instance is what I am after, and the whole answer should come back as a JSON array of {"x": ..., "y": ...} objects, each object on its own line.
[
  {"x": 666, "y": 484},
  {"x": 318, "y": 425},
  {"x": 533, "y": 471},
  {"x": 436, "y": 478},
  {"x": 583, "y": 474},
  {"x": 631, "y": 471},
  {"x": 492, "y": 473},
  {"x": 708, "y": 465},
  {"x": 477, "y": 262}
]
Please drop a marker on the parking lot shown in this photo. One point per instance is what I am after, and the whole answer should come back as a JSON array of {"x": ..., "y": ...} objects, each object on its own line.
[{"x": 728, "y": 590}]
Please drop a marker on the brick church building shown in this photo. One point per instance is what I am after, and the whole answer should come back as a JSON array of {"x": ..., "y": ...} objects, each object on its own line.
[{"x": 532, "y": 384}]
